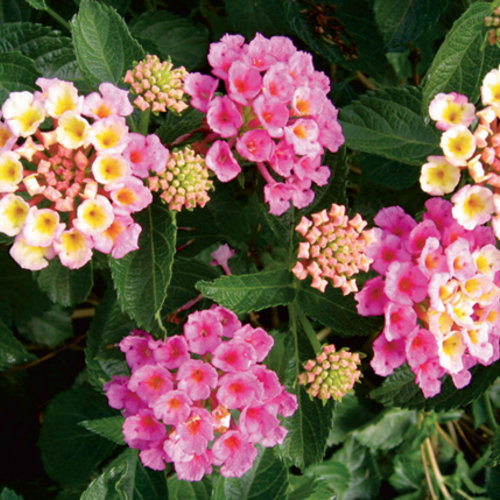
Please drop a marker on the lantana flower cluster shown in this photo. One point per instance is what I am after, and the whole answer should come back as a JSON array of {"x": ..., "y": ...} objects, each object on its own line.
[
  {"x": 335, "y": 249},
  {"x": 332, "y": 374},
  {"x": 438, "y": 288},
  {"x": 158, "y": 85},
  {"x": 474, "y": 150},
  {"x": 493, "y": 22},
  {"x": 275, "y": 113},
  {"x": 203, "y": 398},
  {"x": 70, "y": 174}
]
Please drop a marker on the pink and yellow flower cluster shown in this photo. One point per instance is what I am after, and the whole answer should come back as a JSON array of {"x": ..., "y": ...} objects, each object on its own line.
[
  {"x": 438, "y": 289},
  {"x": 474, "y": 150},
  {"x": 332, "y": 374},
  {"x": 69, "y": 182},
  {"x": 335, "y": 249},
  {"x": 275, "y": 113},
  {"x": 203, "y": 398}
]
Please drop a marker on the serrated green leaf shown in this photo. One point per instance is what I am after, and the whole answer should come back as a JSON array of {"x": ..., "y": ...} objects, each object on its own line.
[
  {"x": 303, "y": 486},
  {"x": 335, "y": 474},
  {"x": 11, "y": 350},
  {"x": 247, "y": 18},
  {"x": 17, "y": 73},
  {"x": 37, "y": 4},
  {"x": 388, "y": 123},
  {"x": 250, "y": 292},
  {"x": 109, "y": 427},
  {"x": 70, "y": 453},
  {"x": 108, "y": 327},
  {"x": 460, "y": 64},
  {"x": 403, "y": 21},
  {"x": 141, "y": 278},
  {"x": 125, "y": 478},
  {"x": 189, "y": 490},
  {"x": 388, "y": 173},
  {"x": 103, "y": 44},
  {"x": 268, "y": 478},
  {"x": 7, "y": 494},
  {"x": 174, "y": 126},
  {"x": 367, "y": 52},
  {"x": 400, "y": 389},
  {"x": 364, "y": 480},
  {"x": 185, "y": 274},
  {"x": 336, "y": 311},
  {"x": 494, "y": 458},
  {"x": 388, "y": 431},
  {"x": 51, "y": 328},
  {"x": 408, "y": 471},
  {"x": 173, "y": 36},
  {"x": 64, "y": 286}
]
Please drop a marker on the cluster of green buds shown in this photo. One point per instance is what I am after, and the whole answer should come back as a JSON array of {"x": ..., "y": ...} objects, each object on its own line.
[
  {"x": 157, "y": 84},
  {"x": 332, "y": 374},
  {"x": 184, "y": 183},
  {"x": 493, "y": 22}
]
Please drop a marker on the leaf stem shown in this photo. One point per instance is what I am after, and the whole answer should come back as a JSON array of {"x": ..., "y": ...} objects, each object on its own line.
[
  {"x": 489, "y": 411},
  {"x": 58, "y": 18},
  {"x": 435, "y": 469},
  {"x": 308, "y": 329},
  {"x": 143, "y": 125},
  {"x": 427, "y": 474}
]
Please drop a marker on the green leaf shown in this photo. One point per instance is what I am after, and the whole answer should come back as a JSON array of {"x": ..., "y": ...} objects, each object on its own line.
[
  {"x": 7, "y": 494},
  {"x": 335, "y": 474},
  {"x": 388, "y": 123},
  {"x": 17, "y": 73},
  {"x": 336, "y": 311},
  {"x": 141, "y": 278},
  {"x": 268, "y": 478},
  {"x": 388, "y": 431},
  {"x": 403, "y": 21},
  {"x": 494, "y": 458},
  {"x": 185, "y": 274},
  {"x": 250, "y": 292},
  {"x": 103, "y": 44},
  {"x": 460, "y": 64},
  {"x": 37, "y": 4},
  {"x": 109, "y": 427},
  {"x": 408, "y": 471},
  {"x": 174, "y": 126},
  {"x": 108, "y": 327},
  {"x": 400, "y": 389},
  {"x": 11, "y": 350},
  {"x": 51, "y": 328},
  {"x": 364, "y": 480},
  {"x": 65, "y": 286},
  {"x": 190, "y": 490},
  {"x": 388, "y": 173},
  {"x": 70, "y": 454},
  {"x": 367, "y": 52},
  {"x": 247, "y": 18},
  {"x": 173, "y": 36},
  {"x": 125, "y": 478}
]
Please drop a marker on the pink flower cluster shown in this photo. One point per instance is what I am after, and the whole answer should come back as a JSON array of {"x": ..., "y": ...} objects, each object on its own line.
[
  {"x": 71, "y": 186},
  {"x": 158, "y": 85},
  {"x": 203, "y": 398},
  {"x": 184, "y": 183},
  {"x": 332, "y": 374},
  {"x": 439, "y": 292},
  {"x": 335, "y": 249},
  {"x": 275, "y": 114}
]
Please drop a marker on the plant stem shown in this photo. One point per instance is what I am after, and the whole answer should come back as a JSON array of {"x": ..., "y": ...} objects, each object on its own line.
[
  {"x": 308, "y": 329},
  {"x": 58, "y": 18},
  {"x": 144, "y": 122},
  {"x": 435, "y": 469},
  {"x": 489, "y": 411},
  {"x": 427, "y": 475}
]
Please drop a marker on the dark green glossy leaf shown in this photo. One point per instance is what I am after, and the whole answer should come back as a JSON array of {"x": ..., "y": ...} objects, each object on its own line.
[
  {"x": 11, "y": 350},
  {"x": 109, "y": 427},
  {"x": 268, "y": 478},
  {"x": 335, "y": 474},
  {"x": 388, "y": 173},
  {"x": 141, "y": 278},
  {"x": 250, "y": 292},
  {"x": 173, "y": 36},
  {"x": 388, "y": 123},
  {"x": 37, "y": 4},
  {"x": 190, "y": 490},
  {"x": 460, "y": 64},
  {"x": 65, "y": 286},
  {"x": 70, "y": 453},
  {"x": 17, "y": 73},
  {"x": 103, "y": 44},
  {"x": 125, "y": 478},
  {"x": 175, "y": 126}
]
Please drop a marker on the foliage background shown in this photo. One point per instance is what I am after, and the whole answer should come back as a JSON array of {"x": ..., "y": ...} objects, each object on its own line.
[{"x": 386, "y": 60}]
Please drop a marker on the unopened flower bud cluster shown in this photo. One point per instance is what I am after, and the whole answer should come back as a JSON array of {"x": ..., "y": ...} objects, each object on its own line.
[{"x": 201, "y": 399}]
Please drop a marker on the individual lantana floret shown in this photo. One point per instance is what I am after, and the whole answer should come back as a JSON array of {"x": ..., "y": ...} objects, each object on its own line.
[
  {"x": 79, "y": 183},
  {"x": 158, "y": 85},
  {"x": 451, "y": 109},
  {"x": 201, "y": 399},
  {"x": 438, "y": 292},
  {"x": 334, "y": 250},
  {"x": 275, "y": 113},
  {"x": 185, "y": 182},
  {"x": 332, "y": 374}
]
